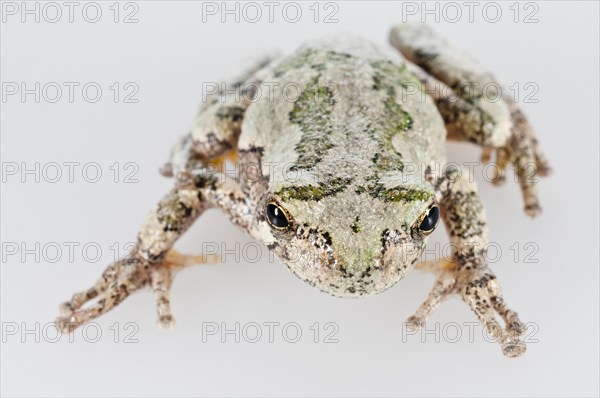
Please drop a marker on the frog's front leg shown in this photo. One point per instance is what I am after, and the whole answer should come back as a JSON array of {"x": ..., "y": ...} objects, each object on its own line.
[
  {"x": 466, "y": 274},
  {"x": 154, "y": 263}
]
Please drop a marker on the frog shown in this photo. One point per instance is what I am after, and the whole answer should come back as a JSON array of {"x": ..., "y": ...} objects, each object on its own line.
[{"x": 342, "y": 175}]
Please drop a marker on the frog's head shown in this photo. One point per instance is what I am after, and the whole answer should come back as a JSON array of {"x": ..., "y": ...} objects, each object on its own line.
[{"x": 345, "y": 239}]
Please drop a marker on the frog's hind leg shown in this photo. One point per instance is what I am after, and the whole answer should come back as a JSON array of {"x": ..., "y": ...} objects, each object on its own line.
[
  {"x": 217, "y": 126},
  {"x": 474, "y": 106}
]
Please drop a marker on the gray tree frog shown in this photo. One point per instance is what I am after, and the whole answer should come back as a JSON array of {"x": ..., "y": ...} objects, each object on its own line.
[{"x": 345, "y": 180}]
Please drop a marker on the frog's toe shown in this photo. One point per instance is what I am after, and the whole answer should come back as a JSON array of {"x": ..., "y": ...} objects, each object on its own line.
[
  {"x": 528, "y": 179},
  {"x": 486, "y": 154},
  {"x": 68, "y": 323},
  {"x": 515, "y": 327},
  {"x": 543, "y": 166},
  {"x": 500, "y": 163},
  {"x": 65, "y": 309},
  {"x": 65, "y": 324},
  {"x": 532, "y": 208},
  {"x": 414, "y": 323},
  {"x": 166, "y": 322},
  {"x": 514, "y": 348},
  {"x": 499, "y": 177}
]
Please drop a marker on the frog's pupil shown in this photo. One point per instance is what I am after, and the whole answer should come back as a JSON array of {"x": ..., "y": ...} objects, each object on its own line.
[
  {"x": 276, "y": 216},
  {"x": 430, "y": 220}
]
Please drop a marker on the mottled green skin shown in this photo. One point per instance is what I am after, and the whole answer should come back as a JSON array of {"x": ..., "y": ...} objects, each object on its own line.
[
  {"x": 352, "y": 164},
  {"x": 335, "y": 158}
]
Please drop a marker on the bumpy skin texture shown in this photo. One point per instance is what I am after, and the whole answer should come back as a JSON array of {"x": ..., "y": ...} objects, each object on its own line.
[
  {"x": 346, "y": 138},
  {"x": 351, "y": 160},
  {"x": 484, "y": 113}
]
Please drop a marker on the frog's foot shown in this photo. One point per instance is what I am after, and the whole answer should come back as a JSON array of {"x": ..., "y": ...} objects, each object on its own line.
[
  {"x": 480, "y": 290},
  {"x": 123, "y": 278},
  {"x": 521, "y": 150}
]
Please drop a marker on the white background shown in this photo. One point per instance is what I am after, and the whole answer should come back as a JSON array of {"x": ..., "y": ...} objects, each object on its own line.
[{"x": 168, "y": 54}]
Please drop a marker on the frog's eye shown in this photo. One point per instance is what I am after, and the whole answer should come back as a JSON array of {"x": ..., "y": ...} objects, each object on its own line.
[
  {"x": 427, "y": 222},
  {"x": 430, "y": 220},
  {"x": 277, "y": 216}
]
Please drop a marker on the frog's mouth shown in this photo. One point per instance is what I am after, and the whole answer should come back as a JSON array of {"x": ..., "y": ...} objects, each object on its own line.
[{"x": 346, "y": 271}]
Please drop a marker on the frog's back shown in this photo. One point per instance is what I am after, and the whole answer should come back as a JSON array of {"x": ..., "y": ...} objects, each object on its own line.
[{"x": 343, "y": 107}]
